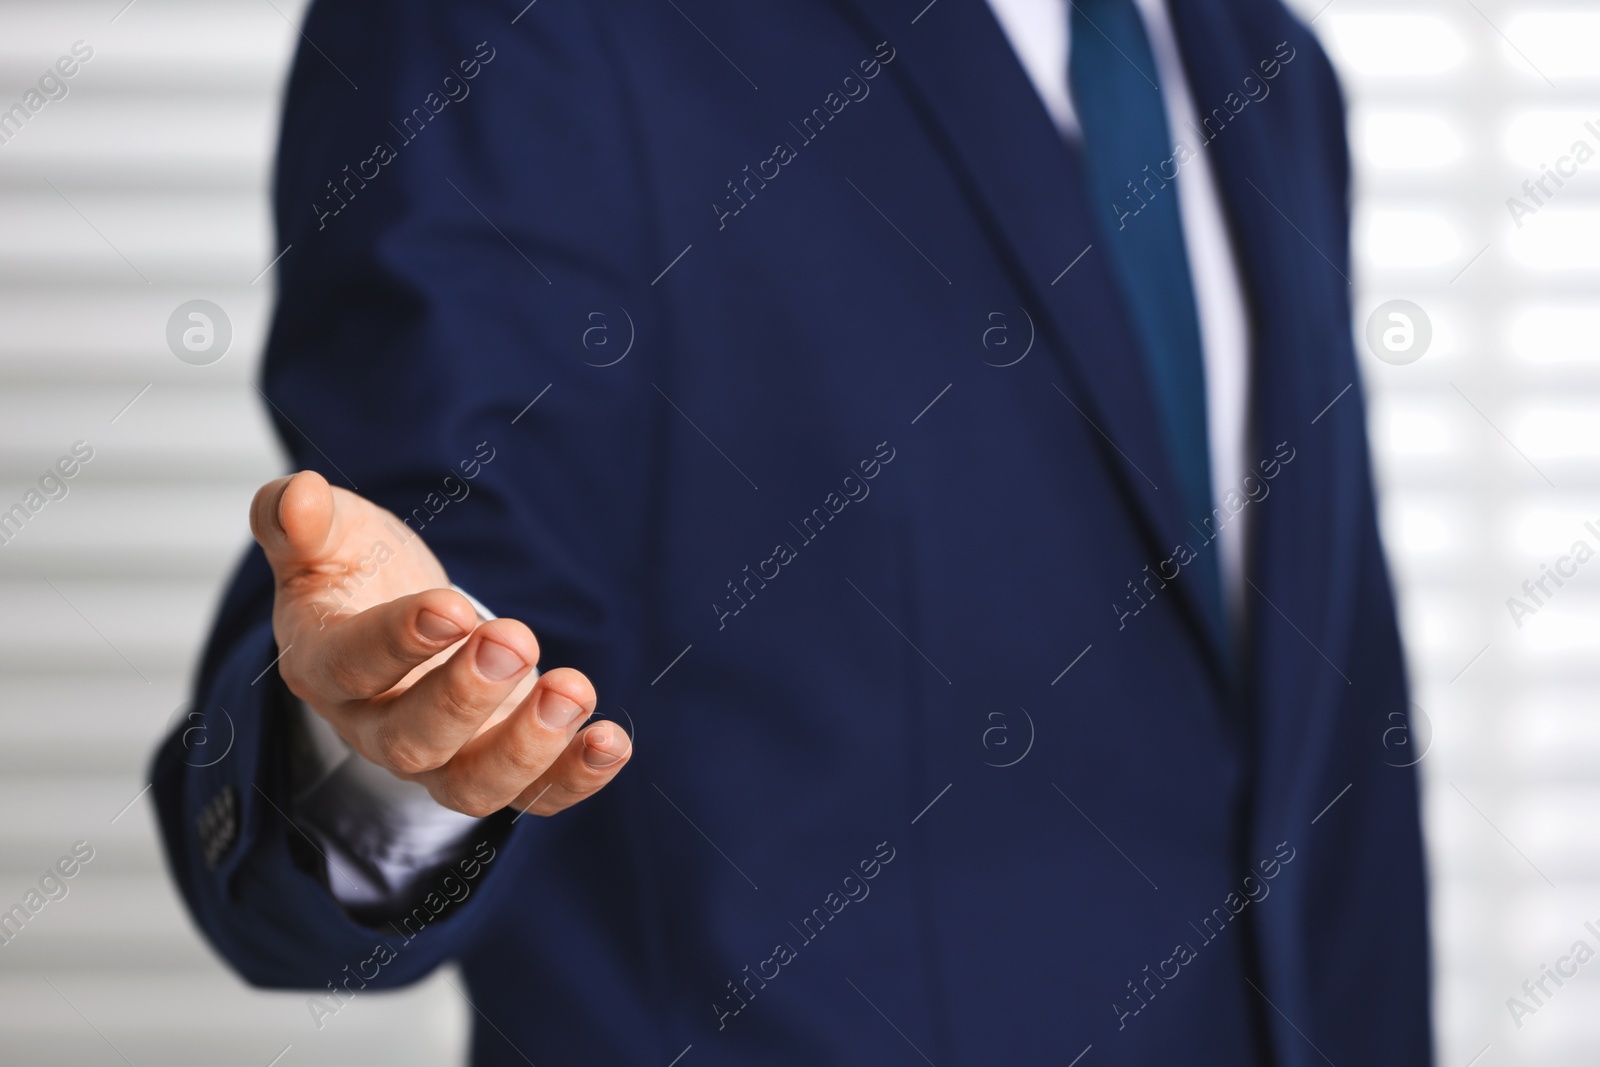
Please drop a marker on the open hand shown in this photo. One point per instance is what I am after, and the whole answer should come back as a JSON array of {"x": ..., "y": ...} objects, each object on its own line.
[{"x": 373, "y": 638}]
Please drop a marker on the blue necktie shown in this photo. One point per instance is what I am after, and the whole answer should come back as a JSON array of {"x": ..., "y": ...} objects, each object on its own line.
[{"x": 1127, "y": 147}]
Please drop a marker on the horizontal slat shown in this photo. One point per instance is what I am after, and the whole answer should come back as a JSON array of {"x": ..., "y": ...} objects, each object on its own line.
[
  {"x": 85, "y": 724},
  {"x": 195, "y": 431},
  {"x": 216, "y": 1020},
  {"x": 93, "y": 138},
  {"x": 155, "y": 236},
  {"x": 130, "y": 530},
  {"x": 173, "y": 44},
  {"x": 83, "y": 924},
  {"x": 48, "y": 340},
  {"x": 142, "y": 626}
]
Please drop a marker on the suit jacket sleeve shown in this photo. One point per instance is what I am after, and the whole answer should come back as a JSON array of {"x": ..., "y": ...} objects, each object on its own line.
[{"x": 469, "y": 251}]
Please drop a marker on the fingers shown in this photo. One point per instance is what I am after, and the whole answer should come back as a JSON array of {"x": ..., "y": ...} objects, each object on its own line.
[
  {"x": 495, "y": 767},
  {"x": 585, "y": 767},
  {"x": 357, "y": 657},
  {"x": 422, "y": 727},
  {"x": 292, "y": 518}
]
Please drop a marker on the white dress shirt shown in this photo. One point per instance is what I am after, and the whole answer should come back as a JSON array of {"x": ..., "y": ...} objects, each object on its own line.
[{"x": 380, "y": 832}]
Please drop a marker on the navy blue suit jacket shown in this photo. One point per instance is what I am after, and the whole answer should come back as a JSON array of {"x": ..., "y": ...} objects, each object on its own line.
[{"x": 841, "y": 479}]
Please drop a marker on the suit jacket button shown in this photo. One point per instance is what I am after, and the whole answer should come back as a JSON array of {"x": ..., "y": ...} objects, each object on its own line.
[{"x": 217, "y": 826}]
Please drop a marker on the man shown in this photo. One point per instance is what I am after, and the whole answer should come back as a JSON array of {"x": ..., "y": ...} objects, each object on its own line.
[{"x": 871, "y": 405}]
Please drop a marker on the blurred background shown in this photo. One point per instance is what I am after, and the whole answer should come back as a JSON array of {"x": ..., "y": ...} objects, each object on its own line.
[{"x": 145, "y": 187}]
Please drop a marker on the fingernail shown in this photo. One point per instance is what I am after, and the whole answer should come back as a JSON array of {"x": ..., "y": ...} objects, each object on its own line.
[
  {"x": 438, "y": 628},
  {"x": 594, "y": 753},
  {"x": 277, "y": 506},
  {"x": 496, "y": 662},
  {"x": 555, "y": 711}
]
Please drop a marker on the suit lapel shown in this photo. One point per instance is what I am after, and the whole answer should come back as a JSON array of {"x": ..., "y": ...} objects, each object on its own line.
[
  {"x": 1024, "y": 182},
  {"x": 1281, "y": 270},
  {"x": 1275, "y": 182}
]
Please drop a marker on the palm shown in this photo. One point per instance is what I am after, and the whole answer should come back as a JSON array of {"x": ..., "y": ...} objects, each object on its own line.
[{"x": 345, "y": 560}]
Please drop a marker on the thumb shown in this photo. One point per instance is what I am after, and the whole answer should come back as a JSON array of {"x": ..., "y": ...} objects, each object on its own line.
[{"x": 292, "y": 519}]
